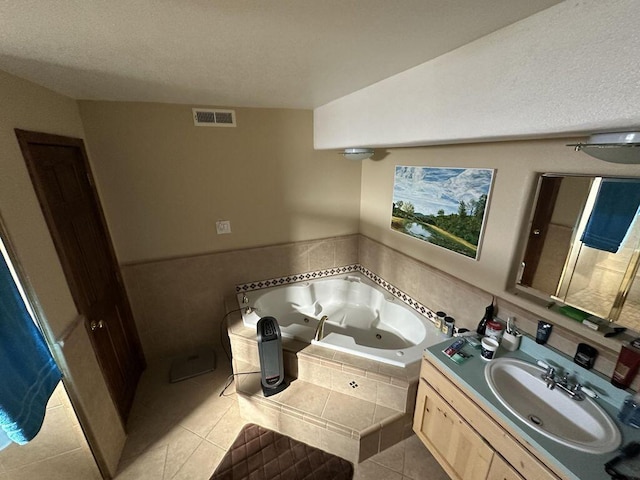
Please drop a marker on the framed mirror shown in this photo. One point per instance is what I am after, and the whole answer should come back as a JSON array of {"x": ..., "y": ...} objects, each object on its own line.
[{"x": 583, "y": 245}]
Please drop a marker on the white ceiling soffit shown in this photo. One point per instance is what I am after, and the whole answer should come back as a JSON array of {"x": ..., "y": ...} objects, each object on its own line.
[{"x": 255, "y": 53}]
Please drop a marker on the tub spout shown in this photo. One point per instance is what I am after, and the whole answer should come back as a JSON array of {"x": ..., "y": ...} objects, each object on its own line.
[{"x": 320, "y": 329}]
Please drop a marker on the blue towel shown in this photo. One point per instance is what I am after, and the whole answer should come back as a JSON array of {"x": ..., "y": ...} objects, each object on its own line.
[
  {"x": 28, "y": 374},
  {"x": 613, "y": 212}
]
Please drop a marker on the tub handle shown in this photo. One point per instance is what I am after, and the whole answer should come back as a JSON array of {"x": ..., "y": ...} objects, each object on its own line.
[{"x": 353, "y": 278}]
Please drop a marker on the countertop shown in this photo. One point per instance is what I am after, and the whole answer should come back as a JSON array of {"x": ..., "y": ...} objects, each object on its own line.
[{"x": 573, "y": 463}]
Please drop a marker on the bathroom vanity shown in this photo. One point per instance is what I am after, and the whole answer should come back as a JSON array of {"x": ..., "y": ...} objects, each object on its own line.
[{"x": 474, "y": 437}]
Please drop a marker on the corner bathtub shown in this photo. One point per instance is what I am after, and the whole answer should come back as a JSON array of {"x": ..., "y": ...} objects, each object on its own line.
[{"x": 363, "y": 319}]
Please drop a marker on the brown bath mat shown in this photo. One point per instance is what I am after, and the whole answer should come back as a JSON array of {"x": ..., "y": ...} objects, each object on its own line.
[{"x": 261, "y": 454}]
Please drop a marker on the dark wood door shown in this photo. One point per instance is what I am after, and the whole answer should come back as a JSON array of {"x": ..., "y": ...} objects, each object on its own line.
[
  {"x": 547, "y": 195},
  {"x": 64, "y": 185}
]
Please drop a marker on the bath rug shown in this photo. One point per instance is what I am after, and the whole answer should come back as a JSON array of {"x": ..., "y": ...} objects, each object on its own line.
[{"x": 261, "y": 454}]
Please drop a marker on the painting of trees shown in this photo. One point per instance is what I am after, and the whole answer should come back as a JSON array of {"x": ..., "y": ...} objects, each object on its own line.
[{"x": 443, "y": 206}]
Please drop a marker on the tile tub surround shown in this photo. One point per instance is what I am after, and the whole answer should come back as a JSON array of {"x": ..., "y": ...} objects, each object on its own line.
[
  {"x": 346, "y": 405},
  {"x": 178, "y": 303},
  {"x": 466, "y": 303}
]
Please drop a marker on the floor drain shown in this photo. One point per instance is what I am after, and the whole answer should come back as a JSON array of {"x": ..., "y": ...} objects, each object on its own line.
[{"x": 535, "y": 420}]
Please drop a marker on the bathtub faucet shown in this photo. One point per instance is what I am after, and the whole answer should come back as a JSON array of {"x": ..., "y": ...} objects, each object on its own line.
[
  {"x": 320, "y": 329},
  {"x": 245, "y": 300}
]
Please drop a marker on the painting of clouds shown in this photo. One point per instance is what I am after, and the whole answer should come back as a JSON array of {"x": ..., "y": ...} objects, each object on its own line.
[{"x": 442, "y": 206}]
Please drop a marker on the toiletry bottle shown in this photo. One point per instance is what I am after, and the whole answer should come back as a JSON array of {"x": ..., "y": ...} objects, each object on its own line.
[
  {"x": 543, "y": 332},
  {"x": 626, "y": 367},
  {"x": 494, "y": 329},
  {"x": 488, "y": 316},
  {"x": 447, "y": 326},
  {"x": 630, "y": 411}
]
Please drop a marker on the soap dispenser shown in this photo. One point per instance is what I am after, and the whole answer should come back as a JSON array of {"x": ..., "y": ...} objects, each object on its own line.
[{"x": 488, "y": 316}]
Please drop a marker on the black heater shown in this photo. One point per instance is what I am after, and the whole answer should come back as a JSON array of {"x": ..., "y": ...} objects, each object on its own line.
[{"x": 270, "y": 351}]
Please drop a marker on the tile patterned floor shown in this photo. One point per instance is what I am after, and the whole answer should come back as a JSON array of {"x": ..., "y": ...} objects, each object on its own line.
[{"x": 182, "y": 430}]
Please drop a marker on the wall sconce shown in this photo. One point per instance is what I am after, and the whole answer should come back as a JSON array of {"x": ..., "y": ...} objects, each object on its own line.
[
  {"x": 617, "y": 147},
  {"x": 358, "y": 153}
]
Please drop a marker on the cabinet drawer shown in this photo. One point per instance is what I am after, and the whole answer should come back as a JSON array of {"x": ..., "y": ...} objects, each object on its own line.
[{"x": 502, "y": 441}]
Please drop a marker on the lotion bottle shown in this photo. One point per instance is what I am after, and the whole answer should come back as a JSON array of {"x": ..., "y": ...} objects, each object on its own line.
[{"x": 626, "y": 367}]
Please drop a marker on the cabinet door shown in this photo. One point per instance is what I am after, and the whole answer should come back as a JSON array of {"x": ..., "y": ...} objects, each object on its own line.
[
  {"x": 501, "y": 470},
  {"x": 459, "y": 449}
]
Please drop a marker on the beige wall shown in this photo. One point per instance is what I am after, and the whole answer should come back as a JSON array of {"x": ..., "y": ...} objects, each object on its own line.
[
  {"x": 516, "y": 165},
  {"x": 27, "y": 106},
  {"x": 164, "y": 182},
  {"x": 179, "y": 303}
]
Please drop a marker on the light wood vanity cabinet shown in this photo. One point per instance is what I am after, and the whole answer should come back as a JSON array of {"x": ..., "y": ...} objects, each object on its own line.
[
  {"x": 501, "y": 470},
  {"x": 451, "y": 439},
  {"x": 464, "y": 439}
]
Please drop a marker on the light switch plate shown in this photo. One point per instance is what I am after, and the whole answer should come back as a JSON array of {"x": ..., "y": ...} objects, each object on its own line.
[{"x": 223, "y": 226}]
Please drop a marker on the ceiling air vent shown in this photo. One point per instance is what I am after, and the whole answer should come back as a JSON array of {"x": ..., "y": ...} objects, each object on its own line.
[{"x": 214, "y": 118}]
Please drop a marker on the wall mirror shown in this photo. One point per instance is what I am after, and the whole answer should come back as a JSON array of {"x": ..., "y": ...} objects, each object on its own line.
[{"x": 583, "y": 245}]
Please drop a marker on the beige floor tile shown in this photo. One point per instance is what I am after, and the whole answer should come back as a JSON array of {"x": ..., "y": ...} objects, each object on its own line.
[
  {"x": 56, "y": 436},
  {"x": 181, "y": 444},
  {"x": 392, "y": 457},
  {"x": 145, "y": 432},
  {"x": 368, "y": 470},
  {"x": 68, "y": 466},
  {"x": 176, "y": 444},
  {"x": 149, "y": 465},
  {"x": 419, "y": 463},
  {"x": 226, "y": 430},
  {"x": 203, "y": 417},
  {"x": 349, "y": 411},
  {"x": 201, "y": 464}
]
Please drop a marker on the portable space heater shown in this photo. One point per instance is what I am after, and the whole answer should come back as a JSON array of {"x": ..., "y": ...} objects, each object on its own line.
[{"x": 270, "y": 350}]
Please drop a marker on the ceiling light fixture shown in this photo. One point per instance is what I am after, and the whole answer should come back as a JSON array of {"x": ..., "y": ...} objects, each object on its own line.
[
  {"x": 358, "y": 153},
  {"x": 616, "y": 147}
]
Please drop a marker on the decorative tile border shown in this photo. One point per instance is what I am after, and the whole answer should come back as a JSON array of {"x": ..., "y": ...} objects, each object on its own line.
[
  {"x": 396, "y": 292},
  {"x": 356, "y": 267}
]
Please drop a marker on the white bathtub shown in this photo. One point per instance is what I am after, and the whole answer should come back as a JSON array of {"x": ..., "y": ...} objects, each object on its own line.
[{"x": 363, "y": 318}]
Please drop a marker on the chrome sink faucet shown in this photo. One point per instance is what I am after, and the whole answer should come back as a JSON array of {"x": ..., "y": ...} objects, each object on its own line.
[
  {"x": 575, "y": 391},
  {"x": 549, "y": 377},
  {"x": 319, "y": 335}
]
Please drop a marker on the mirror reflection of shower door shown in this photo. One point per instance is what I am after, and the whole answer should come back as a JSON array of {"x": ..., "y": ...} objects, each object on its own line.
[{"x": 597, "y": 281}]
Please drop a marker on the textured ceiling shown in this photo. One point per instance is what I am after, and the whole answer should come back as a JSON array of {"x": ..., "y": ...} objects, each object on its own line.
[{"x": 258, "y": 53}]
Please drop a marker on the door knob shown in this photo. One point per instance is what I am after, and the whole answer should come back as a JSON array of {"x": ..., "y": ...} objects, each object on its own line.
[
  {"x": 95, "y": 325},
  {"x": 536, "y": 231}
]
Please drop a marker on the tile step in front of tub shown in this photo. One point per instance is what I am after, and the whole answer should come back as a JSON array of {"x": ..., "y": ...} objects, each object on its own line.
[
  {"x": 341, "y": 424},
  {"x": 387, "y": 385},
  {"x": 383, "y": 384}
]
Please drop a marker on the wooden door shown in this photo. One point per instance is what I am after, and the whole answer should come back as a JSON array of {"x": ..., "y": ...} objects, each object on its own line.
[
  {"x": 62, "y": 179},
  {"x": 547, "y": 195}
]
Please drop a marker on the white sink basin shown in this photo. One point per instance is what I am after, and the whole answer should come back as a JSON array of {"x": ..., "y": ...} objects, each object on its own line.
[{"x": 582, "y": 425}]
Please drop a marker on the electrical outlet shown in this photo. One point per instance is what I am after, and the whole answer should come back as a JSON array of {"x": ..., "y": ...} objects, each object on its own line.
[{"x": 223, "y": 226}]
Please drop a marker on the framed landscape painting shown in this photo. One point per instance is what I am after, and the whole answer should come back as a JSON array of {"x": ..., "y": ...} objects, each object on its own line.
[{"x": 442, "y": 206}]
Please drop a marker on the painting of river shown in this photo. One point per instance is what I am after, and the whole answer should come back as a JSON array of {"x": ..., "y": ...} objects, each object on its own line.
[{"x": 442, "y": 206}]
